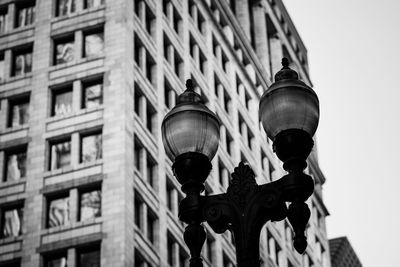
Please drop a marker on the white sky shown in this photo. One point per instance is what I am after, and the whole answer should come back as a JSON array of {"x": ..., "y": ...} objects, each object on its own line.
[{"x": 353, "y": 50}]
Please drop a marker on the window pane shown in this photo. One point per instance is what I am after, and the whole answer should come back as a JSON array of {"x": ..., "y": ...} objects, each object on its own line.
[
  {"x": 60, "y": 155},
  {"x": 3, "y": 20},
  {"x": 62, "y": 103},
  {"x": 19, "y": 113},
  {"x": 93, "y": 96},
  {"x": 89, "y": 258},
  {"x": 65, "y": 7},
  {"x": 90, "y": 205},
  {"x": 26, "y": 16},
  {"x": 16, "y": 166},
  {"x": 93, "y": 3},
  {"x": 22, "y": 63},
  {"x": 64, "y": 52},
  {"x": 57, "y": 262},
  {"x": 58, "y": 213},
  {"x": 91, "y": 148},
  {"x": 94, "y": 44},
  {"x": 12, "y": 222},
  {"x": 2, "y": 68}
]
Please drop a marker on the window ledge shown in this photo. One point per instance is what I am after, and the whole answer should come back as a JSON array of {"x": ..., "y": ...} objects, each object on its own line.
[
  {"x": 75, "y": 62},
  {"x": 71, "y": 226},
  {"x": 17, "y": 30},
  {"x": 16, "y": 78},
  {"x": 70, "y": 168},
  {"x": 74, "y": 113},
  {"x": 11, "y": 239},
  {"x": 12, "y": 182},
  {"x": 15, "y": 128},
  {"x": 77, "y": 13}
]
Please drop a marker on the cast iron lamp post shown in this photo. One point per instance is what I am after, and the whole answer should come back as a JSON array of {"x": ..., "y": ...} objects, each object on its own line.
[{"x": 289, "y": 111}]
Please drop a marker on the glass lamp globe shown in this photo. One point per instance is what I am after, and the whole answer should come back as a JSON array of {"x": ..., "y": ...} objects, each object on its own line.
[
  {"x": 190, "y": 127},
  {"x": 289, "y": 104}
]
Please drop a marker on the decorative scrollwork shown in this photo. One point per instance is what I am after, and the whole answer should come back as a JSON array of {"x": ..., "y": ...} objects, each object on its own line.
[{"x": 243, "y": 184}]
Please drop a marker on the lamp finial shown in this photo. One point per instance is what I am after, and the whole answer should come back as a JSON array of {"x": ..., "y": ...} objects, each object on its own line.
[
  {"x": 285, "y": 63},
  {"x": 189, "y": 84}
]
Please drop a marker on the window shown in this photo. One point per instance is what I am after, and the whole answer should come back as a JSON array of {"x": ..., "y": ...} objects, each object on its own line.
[
  {"x": 89, "y": 257},
  {"x": 94, "y": 44},
  {"x": 93, "y": 3},
  {"x": 92, "y": 94},
  {"x": 60, "y": 155},
  {"x": 151, "y": 170},
  {"x": 91, "y": 147},
  {"x": 89, "y": 205},
  {"x": 65, "y": 7},
  {"x": 62, "y": 101},
  {"x": 2, "y": 67},
  {"x": 12, "y": 263},
  {"x": 138, "y": 155},
  {"x": 22, "y": 62},
  {"x": 151, "y": 225},
  {"x": 11, "y": 221},
  {"x": 138, "y": 210},
  {"x": 170, "y": 194},
  {"x": 19, "y": 112},
  {"x": 144, "y": 60},
  {"x": 64, "y": 50},
  {"x": 56, "y": 260},
  {"x": 15, "y": 165},
  {"x": 58, "y": 212},
  {"x": 3, "y": 19},
  {"x": 170, "y": 95},
  {"x": 140, "y": 260},
  {"x": 26, "y": 15}
]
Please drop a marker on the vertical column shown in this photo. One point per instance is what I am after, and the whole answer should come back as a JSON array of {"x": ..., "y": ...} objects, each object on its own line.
[
  {"x": 142, "y": 60},
  {"x": 261, "y": 37},
  {"x": 243, "y": 16},
  {"x": 222, "y": 133},
  {"x": 175, "y": 254},
  {"x": 220, "y": 91},
  {"x": 276, "y": 53},
  {"x": 225, "y": 178},
  {"x": 143, "y": 108},
  {"x": 78, "y": 45},
  {"x": 71, "y": 257},
  {"x": 8, "y": 64},
  {"x": 143, "y": 223},
  {"x": 241, "y": 92},
  {"x": 76, "y": 95},
  {"x": 196, "y": 55},
  {"x": 3, "y": 165},
  {"x": 174, "y": 201},
  {"x": 4, "y": 110},
  {"x": 170, "y": 13},
  {"x": 75, "y": 149},
  {"x": 142, "y": 13},
  {"x": 171, "y": 97},
  {"x": 73, "y": 205},
  {"x": 11, "y": 13},
  {"x": 218, "y": 54}
]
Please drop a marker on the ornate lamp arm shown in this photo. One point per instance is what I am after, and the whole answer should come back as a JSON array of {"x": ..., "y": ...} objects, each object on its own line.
[{"x": 245, "y": 209}]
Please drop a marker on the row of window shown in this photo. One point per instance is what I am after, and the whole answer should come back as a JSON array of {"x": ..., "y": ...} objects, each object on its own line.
[
  {"x": 58, "y": 212},
  {"x": 59, "y": 155},
  {"x": 25, "y": 12},
  {"x": 64, "y": 52}
]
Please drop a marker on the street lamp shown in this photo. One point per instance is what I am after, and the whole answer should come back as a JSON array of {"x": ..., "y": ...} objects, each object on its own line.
[{"x": 289, "y": 112}]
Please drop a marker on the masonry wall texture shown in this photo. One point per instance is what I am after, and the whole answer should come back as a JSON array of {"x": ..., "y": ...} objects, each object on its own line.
[{"x": 139, "y": 53}]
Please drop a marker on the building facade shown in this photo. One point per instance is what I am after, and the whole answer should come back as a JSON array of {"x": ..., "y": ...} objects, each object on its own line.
[
  {"x": 84, "y": 86},
  {"x": 342, "y": 253}
]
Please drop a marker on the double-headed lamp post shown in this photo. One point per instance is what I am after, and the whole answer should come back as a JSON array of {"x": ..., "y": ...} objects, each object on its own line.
[{"x": 289, "y": 111}]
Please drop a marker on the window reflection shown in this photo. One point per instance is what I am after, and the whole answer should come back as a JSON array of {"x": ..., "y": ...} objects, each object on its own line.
[
  {"x": 16, "y": 166},
  {"x": 58, "y": 213},
  {"x": 12, "y": 222},
  {"x": 93, "y": 95},
  {"x": 65, "y": 7},
  {"x": 94, "y": 44},
  {"x": 62, "y": 103},
  {"x": 90, "y": 205},
  {"x": 60, "y": 155},
  {"x": 91, "y": 148}
]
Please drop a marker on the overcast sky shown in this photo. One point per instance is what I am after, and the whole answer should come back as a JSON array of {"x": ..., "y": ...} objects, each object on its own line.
[{"x": 353, "y": 51}]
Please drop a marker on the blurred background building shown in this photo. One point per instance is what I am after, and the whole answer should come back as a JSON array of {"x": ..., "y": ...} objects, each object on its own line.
[
  {"x": 84, "y": 86},
  {"x": 342, "y": 253}
]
